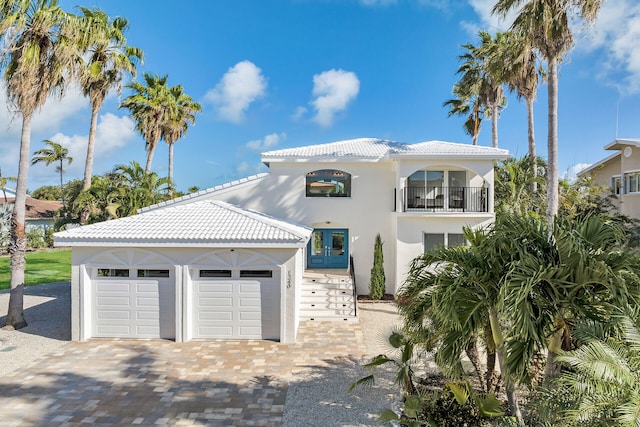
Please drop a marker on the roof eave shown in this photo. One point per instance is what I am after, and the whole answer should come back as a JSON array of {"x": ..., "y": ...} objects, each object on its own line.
[{"x": 179, "y": 244}]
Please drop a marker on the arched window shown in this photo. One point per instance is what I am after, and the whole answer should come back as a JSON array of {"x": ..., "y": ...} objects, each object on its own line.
[{"x": 328, "y": 183}]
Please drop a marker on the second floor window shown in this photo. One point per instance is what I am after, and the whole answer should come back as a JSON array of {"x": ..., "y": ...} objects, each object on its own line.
[{"x": 328, "y": 183}]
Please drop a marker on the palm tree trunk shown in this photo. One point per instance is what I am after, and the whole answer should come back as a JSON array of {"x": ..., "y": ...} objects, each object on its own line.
[
  {"x": 510, "y": 388},
  {"x": 61, "y": 186},
  {"x": 171, "y": 169},
  {"x": 552, "y": 142},
  {"x": 490, "y": 374},
  {"x": 18, "y": 243},
  {"x": 474, "y": 357},
  {"x": 88, "y": 166},
  {"x": 495, "y": 110},
  {"x": 532, "y": 142},
  {"x": 150, "y": 150}
]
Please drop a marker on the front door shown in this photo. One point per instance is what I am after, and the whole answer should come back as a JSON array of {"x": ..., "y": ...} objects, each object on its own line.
[{"x": 328, "y": 248}]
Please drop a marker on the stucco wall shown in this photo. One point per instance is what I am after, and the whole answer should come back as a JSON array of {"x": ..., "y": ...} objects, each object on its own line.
[{"x": 180, "y": 259}]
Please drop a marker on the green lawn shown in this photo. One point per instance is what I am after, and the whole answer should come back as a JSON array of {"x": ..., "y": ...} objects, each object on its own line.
[{"x": 42, "y": 267}]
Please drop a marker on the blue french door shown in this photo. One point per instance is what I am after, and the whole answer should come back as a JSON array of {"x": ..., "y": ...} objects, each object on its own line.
[{"x": 328, "y": 248}]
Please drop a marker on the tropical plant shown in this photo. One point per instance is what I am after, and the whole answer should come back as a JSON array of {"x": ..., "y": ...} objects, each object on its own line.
[
  {"x": 377, "y": 283},
  {"x": 48, "y": 192},
  {"x": 4, "y": 180},
  {"x": 56, "y": 153},
  {"x": 108, "y": 59},
  {"x": 602, "y": 379},
  {"x": 514, "y": 179},
  {"x": 138, "y": 188},
  {"x": 41, "y": 50},
  {"x": 149, "y": 106},
  {"x": 181, "y": 112},
  {"x": 479, "y": 90},
  {"x": 546, "y": 25}
]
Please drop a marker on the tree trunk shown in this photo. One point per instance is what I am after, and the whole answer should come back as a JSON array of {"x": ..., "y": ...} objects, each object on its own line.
[
  {"x": 474, "y": 358},
  {"x": 495, "y": 111},
  {"x": 510, "y": 388},
  {"x": 17, "y": 245},
  {"x": 88, "y": 166},
  {"x": 552, "y": 142},
  {"x": 490, "y": 374},
  {"x": 532, "y": 142},
  {"x": 151, "y": 148},
  {"x": 555, "y": 345},
  {"x": 171, "y": 169}
]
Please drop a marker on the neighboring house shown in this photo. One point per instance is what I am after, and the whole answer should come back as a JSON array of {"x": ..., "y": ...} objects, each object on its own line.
[
  {"x": 253, "y": 258},
  {"x": 39, "y": 214},
  {"x": 621, "y": 172}
]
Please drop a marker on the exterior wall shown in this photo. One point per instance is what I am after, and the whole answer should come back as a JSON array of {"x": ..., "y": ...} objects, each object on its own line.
[
  {"x": 601, "y": 176},
  {"x": 375, "y": 193},
  {"x": 84, "y": 258},
  {"x": 367, "y": 212},
  {"x": 411, "y": 230}
]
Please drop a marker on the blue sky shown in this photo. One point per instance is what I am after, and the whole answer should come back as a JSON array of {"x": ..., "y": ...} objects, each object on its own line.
[{"x": 284, "y": 73}]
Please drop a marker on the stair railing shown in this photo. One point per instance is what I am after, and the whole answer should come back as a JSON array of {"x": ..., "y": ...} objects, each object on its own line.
[{"x": 352, "y": 273}]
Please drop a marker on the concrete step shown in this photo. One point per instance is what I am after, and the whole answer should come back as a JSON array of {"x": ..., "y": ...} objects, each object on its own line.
[{"x": 329, "y": 318}]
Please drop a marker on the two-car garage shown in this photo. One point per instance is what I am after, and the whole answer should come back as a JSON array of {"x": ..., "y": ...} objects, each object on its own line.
[{"x": 182, "y": 273}]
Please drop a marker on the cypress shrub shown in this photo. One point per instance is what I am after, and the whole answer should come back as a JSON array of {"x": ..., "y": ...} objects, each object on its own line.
[{"x": 377, "y": 281}]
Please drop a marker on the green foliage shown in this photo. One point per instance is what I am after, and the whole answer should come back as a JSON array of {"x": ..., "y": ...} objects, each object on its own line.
[
  {"x": 45, "y": 266},
  {"x": 35, "y": 238},
  {"x": 377, "y": 283},
  {"x": 47, "y": 192}
]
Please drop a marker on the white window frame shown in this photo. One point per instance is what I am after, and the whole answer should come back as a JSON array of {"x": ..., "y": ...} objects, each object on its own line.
[
  {"x": 617, "y": 189},
  {"x": 446, "y": 239}
]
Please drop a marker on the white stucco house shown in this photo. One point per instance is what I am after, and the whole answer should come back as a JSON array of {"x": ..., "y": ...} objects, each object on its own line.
[{"x": 254, "y": 257}]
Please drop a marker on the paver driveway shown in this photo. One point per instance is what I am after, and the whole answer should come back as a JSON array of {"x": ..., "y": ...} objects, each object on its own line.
[{"x": 151, "y": 382}]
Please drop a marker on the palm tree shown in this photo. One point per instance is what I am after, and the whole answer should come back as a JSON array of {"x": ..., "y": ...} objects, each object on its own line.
[
  {"x": 138, "y": 188},
  {"x": 41, "y": 50},
  {"x": 479, "y": 90},
  {"x": 181, "y": 112},
  {"x": 603, "y": 376},
  {"x": 149, "y": 106},
  {"x": 522, "y": 78},
  {"x": 4, "y": 180},
  {"x": 546, "y": 24},
  {"x": 514, "y": 179},
  {"x": 109, "y": 58},
  {"x": 57, "y": 153}
]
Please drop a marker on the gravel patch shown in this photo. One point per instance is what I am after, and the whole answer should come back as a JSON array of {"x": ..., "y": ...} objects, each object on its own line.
[
  {"x": 47, "y": 310},
  {"x": 320, "y": 396}
]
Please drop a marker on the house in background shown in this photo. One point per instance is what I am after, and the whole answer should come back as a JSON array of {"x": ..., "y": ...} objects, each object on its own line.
[
  {"x": 621, "y": 172},
  {"x": 255, "y": 257},
  {"x": 39, "y": 214}
]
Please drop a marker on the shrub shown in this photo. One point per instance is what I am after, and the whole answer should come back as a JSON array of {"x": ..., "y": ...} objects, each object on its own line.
[
  {"x": 35, "y": 238},
  {"x": 377, "y": 281}
]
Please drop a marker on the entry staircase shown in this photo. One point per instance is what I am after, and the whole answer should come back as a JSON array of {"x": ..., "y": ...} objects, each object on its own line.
[{"x": 328, "y": 295}]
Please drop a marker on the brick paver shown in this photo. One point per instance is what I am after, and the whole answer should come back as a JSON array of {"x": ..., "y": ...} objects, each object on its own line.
[{"x": 157, "y": 382}]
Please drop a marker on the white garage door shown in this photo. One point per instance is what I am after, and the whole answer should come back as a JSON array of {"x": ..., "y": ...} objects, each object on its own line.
[
  {"x": 133, "y": 303},
  {"x": 242, "y": 304}
]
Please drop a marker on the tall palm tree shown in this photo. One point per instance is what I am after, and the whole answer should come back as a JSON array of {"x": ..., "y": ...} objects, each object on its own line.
[
  {"x": 479, "y": 90},
  {"x": 41, "y": 52},
  {"x": 181, "y": 113},
  {"x": 56, "y": 153},
  {"x": 108, "y": 60},
  {"x": 149, "y": 106},
  {"x": 546, "y": 24}
]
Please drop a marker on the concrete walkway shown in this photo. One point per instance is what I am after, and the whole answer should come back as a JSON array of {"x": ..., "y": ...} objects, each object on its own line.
[{"x": 158, "y": 382}]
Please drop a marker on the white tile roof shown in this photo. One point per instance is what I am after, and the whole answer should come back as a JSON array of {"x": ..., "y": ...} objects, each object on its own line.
[
  {"x": 376, "y": 149},
  {"x": 202, "y": 223}
]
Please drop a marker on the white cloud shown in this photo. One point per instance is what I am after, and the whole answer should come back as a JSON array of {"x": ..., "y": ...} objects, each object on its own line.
[
  {"x": 241, "y": 85},
  {"x": 112, "y": 134},
  {"x": 266, "y": 143},
  {"x": 487, "y": 20},
  {"x": 571, "y": 174},
  {"x": 297, "y": 115},
  {"x": 333, "y": 90},
  {"x": 617, "y": 33}
]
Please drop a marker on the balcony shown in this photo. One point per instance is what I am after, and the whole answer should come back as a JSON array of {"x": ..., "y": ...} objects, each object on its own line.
[{"x": 445, "y": 199}]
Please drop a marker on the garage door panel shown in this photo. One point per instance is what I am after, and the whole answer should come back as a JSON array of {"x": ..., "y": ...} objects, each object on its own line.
[
  {"x": 228, "y": 308},
  {"x": 215, "y": 315},
  {"x": 137, "y": 308}
]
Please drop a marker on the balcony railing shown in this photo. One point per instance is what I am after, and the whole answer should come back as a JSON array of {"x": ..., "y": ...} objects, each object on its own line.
[{"x": 445, "y": 199}]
